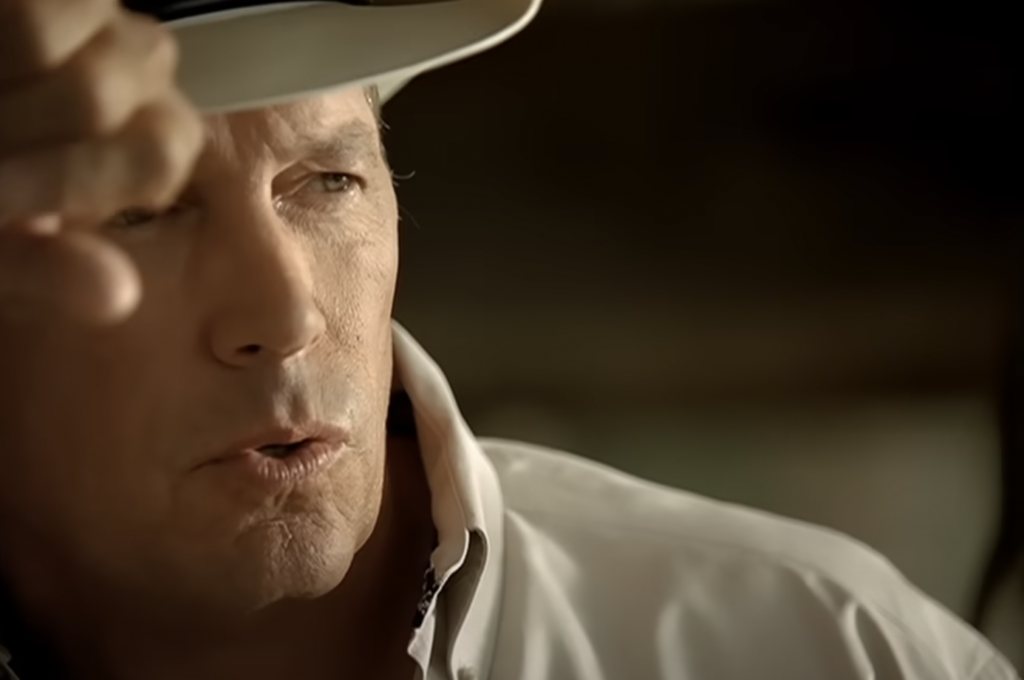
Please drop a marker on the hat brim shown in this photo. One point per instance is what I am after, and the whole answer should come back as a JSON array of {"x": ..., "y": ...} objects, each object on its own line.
[{"x": 256, "y": 57}]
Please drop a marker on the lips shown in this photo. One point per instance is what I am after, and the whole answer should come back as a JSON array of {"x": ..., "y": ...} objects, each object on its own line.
[
  {"x": 281, "y": 455},
  {"x": 276, "y": 441}
]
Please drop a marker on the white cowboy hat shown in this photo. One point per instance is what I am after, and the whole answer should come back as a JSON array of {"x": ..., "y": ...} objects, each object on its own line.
[{"x": 240, "y": 54}]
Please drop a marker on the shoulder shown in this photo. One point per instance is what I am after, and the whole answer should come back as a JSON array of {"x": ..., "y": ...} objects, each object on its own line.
[
  {"x": 724, "y": 567},
  {"x": 554, "y": 488}
]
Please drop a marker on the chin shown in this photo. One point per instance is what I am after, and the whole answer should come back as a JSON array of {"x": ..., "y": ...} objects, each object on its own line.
[
  {"x": 296, "y": 560},
  {"x": 296, "y": 544},
  {"x": 275, "y": 561}
]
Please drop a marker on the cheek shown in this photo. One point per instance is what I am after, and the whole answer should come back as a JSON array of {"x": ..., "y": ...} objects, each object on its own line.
[
  {"x": 354, "y": 282},
  {"x": 354, "y": 286}
]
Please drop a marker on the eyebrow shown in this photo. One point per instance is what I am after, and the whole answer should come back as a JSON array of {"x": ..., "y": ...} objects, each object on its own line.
[{"x": 351, "y": 141}]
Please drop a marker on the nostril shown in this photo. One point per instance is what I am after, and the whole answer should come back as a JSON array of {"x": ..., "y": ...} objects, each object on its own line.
[{"x": 274, "y": 332}]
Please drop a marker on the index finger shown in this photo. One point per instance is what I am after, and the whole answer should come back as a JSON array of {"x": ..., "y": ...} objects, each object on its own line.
[
  {"x": 37, "y": 35},
  {"x": 75, "y": 273}
]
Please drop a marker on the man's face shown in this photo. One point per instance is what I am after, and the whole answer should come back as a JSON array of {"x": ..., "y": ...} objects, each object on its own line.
[{"x": 267, "y": 305}]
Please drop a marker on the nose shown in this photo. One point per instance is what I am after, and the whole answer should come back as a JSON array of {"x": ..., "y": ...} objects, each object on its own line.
[{"x": 267, "y": 311}]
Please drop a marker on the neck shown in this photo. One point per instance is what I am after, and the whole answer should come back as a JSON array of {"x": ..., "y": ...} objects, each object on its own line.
[{"x": 361, "y": 629}]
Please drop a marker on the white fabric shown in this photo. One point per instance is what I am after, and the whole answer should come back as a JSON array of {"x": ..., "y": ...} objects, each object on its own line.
[{"x": 575, "y": 571}]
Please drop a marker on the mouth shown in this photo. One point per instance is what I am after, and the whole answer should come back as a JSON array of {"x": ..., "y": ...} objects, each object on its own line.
[{"x": 282, "y": 456}]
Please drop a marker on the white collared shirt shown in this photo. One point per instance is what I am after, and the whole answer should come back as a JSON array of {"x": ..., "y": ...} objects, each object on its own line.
[{"x": 550, "y": 567}]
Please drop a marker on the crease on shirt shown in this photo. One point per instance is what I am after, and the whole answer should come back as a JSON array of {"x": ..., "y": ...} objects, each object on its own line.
[
  {"x": 805, "y": 570},
  {"x": 439, "y": 428},
  {"x": 439, "y": 431},
  {"x": 1000, "y": 668}
]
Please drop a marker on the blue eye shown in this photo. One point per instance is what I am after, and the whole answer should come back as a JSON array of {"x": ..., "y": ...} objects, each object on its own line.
[{"x": 336, "y": 182}]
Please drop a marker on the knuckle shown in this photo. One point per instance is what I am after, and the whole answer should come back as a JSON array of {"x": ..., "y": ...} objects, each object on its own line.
[
  {"x": 154, "y": 47},
  {"x": 40, "y": 34},
  {"x": 188, "y": 131},
  {"x": 166, "y": 159},
  {"x": 164, "y": 162},
  {"x": 98, "y": 101},
  {"x": 113, "y": 78},
  {"x": 194, "y": 134},
  {"x": 163, "y": 48}
]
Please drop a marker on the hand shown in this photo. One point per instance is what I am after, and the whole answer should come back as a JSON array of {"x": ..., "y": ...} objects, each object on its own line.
[{"x": 91, "y": 122}]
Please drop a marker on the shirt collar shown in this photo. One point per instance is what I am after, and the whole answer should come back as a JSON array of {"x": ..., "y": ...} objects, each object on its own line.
[{"x": 467, "y": 510}]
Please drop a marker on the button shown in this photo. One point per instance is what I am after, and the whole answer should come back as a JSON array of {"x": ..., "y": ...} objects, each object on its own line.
[{"x": 430, "y": 588}]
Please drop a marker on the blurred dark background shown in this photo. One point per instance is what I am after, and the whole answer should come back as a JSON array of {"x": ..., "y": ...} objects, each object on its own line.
[{"x": 764, "y": 251}]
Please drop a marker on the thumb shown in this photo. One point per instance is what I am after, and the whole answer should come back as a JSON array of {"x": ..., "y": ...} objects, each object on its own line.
[{"x": 75, "y": 273}]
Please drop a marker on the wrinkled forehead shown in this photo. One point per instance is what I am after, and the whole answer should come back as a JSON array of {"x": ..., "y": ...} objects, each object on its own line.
[{"x": 341, "y": 123}]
